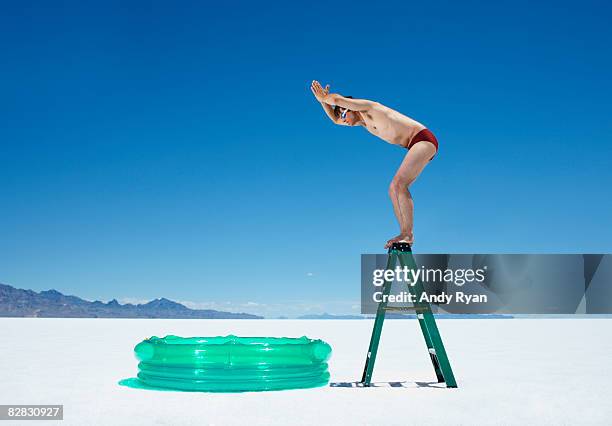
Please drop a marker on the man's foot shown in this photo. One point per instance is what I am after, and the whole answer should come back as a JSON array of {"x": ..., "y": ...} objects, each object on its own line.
[
  {"x": 393, "y": 240},
  {"x": 401, "y": 238}
]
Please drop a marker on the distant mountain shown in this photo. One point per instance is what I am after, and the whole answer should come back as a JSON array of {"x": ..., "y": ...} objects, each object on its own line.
[
  {"x": 16, "y": 302},
  {"x": 330, "y": 316}
]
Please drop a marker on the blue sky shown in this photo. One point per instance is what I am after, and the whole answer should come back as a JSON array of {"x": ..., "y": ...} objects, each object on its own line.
[{"x": 171, "y": 150}]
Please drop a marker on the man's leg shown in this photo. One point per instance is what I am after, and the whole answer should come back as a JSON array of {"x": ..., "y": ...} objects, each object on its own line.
[{"x": 415, "y": 161}]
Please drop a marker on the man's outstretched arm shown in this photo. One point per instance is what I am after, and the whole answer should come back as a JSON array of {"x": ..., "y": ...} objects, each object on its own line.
[
  {"x": 348, "y": 103},
  {"x": 325, "y": 97}
]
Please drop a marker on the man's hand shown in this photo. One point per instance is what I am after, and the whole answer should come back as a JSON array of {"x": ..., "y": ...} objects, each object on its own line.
[
  {"x": 318, "y": 91},
  {"x": 323, "y": 96}
]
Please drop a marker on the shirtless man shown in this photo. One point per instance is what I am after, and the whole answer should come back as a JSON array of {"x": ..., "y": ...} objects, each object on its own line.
[{"x": 394, "y": 128}]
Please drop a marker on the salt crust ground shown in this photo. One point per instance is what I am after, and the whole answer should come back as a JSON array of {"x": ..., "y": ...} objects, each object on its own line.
[{"x": 519, "y": 371}]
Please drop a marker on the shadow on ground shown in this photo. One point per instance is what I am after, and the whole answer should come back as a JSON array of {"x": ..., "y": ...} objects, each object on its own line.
[{"x": 433, "y": 385}]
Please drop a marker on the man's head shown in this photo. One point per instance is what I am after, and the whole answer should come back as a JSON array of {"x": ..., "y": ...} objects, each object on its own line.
[{"x": 346, "y": 115}]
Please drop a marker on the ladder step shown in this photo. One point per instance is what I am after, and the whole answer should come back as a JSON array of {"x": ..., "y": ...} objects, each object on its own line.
[
  {"x": 417, "y": 309},
  {"x": 400, "y": 308}
]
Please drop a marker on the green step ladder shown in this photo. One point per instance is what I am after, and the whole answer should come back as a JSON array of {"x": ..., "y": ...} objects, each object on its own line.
[{"x": 433, "y": 340}]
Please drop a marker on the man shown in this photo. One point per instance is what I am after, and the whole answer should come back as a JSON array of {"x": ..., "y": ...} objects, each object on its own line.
[{"x": 394, "y": 128}]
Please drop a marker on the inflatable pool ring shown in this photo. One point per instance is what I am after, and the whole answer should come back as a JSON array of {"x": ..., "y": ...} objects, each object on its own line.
[{"x": 232, "y": 364}]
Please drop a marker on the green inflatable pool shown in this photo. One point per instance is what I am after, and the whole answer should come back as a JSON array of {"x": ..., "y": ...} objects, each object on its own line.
[{"x": 231, "y": 363}]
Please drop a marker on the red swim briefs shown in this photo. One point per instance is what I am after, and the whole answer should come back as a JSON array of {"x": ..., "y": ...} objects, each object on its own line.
[{"x": 424, "y": 135}]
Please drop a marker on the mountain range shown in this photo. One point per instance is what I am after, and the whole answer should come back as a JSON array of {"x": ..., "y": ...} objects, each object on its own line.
[{"x": 16, "y": 302}]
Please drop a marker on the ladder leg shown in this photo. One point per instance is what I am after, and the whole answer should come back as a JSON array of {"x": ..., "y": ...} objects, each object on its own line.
[
  {"x": 421, "y": 310},
  {"x": 425, "y": 319},
  {"x": 430, "y": 346},
  {"x": 433, "y": 340},
  {"x": 378, "y": 324}
]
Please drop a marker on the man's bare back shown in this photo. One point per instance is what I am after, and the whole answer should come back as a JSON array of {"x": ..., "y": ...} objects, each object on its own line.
[{"x": 392, "y": 127}]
